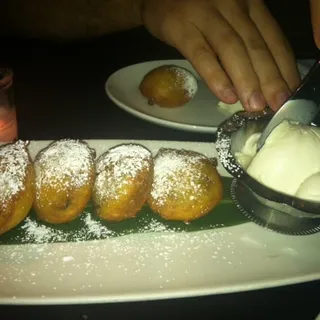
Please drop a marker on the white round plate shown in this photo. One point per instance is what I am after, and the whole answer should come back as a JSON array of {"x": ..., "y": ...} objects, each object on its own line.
[{"x": 201, "y": 114}]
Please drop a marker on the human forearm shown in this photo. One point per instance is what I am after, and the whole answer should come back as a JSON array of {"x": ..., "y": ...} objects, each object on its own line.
[{"x": 71, "y": 19}]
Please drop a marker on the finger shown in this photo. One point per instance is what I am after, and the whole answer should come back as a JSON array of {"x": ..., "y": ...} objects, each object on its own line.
[
  {"x": 315, "y": 20},
  {"x": 192, "y": 44},
  {"x": 272, "y": 84},
  {"x": 277, "y": 43},
  {"x": 233, "y": 54}
]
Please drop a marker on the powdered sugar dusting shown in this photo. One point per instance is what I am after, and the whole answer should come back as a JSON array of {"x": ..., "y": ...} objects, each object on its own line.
[
  {"x": 163, "y": 260},
  {"x": 14, "y": 161},
  {"x": 118, "y": 163},
  {"x": 91, "y": 229},
  {"x": 172, "y": 168},
  {"x": 223, "y": 146},
  {"x": 67, "y": 160},
  {"x": 189, "y": 82},
  {"x": 95, "y": 228},
  {"x": 38, "y": 232}
]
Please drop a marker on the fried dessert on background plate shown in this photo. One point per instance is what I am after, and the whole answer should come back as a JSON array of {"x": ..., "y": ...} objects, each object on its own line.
[
  {"x": 186, "y": 185},
  {"x": 169, "y": 86},
  {"x": 123, "y": 182},
  {"x": 17, "y": 184},
  {"x": 65, "y": 173}
]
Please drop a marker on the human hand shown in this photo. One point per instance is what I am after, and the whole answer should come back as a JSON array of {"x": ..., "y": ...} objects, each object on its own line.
[
  {"x": 235, "y": 45},
  {"x": 315, "y": 19}
]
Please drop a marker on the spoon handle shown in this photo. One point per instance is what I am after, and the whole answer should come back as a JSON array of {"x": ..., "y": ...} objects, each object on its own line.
[
  {"x": 302, "y": 106},
  {"x": 309, "y": 86}
]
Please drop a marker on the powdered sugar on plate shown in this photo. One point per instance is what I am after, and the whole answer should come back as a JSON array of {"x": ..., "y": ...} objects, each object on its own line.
[
  {"x": 38, "y": 232},
  {"x": 91, "y": 229},
  {"x": 14, "y": 161},
  {"x": 75, "y": 268}
]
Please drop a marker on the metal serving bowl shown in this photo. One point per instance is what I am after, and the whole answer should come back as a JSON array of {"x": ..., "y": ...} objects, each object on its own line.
[{"x": 265, "y": 206}]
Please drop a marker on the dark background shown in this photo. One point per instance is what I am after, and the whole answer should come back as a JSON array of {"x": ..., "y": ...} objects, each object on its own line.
[{"x": 59, "y": 92}]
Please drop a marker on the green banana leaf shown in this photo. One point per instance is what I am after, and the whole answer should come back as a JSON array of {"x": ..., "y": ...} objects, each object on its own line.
[{"x": 90, "y": 227}]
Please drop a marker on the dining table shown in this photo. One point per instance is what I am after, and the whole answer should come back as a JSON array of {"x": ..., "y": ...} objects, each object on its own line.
[{"x": 60, "y": 93}]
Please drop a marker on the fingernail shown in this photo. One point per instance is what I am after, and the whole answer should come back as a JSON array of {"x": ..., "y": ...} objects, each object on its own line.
[
  {"x": 256, "y": 102},
  {"x": 229, "y": 94},
  {"x": 281, "y": 98}
]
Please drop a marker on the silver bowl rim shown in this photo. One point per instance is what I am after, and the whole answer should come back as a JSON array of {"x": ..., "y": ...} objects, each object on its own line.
[{"x": 228, "y": 161}]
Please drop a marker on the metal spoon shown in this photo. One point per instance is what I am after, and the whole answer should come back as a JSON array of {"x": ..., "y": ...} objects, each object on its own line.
[{"x": 302, "y": 106}]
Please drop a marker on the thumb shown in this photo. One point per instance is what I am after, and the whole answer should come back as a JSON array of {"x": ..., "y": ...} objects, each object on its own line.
[{"x": 315, "y": 20}]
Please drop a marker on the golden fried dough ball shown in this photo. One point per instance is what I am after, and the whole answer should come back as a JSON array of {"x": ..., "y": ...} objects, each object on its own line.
[
  {"x": 17, "y": 184},
  {"x": 65, "y": 173},
  {"x": 169, "y": 86},
  {"x": 123, "y": 182},
  {"x": 186, "y": 185}
]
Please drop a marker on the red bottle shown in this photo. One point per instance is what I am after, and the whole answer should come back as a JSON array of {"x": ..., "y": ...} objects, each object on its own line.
[{"x": 8, "y": 120}]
